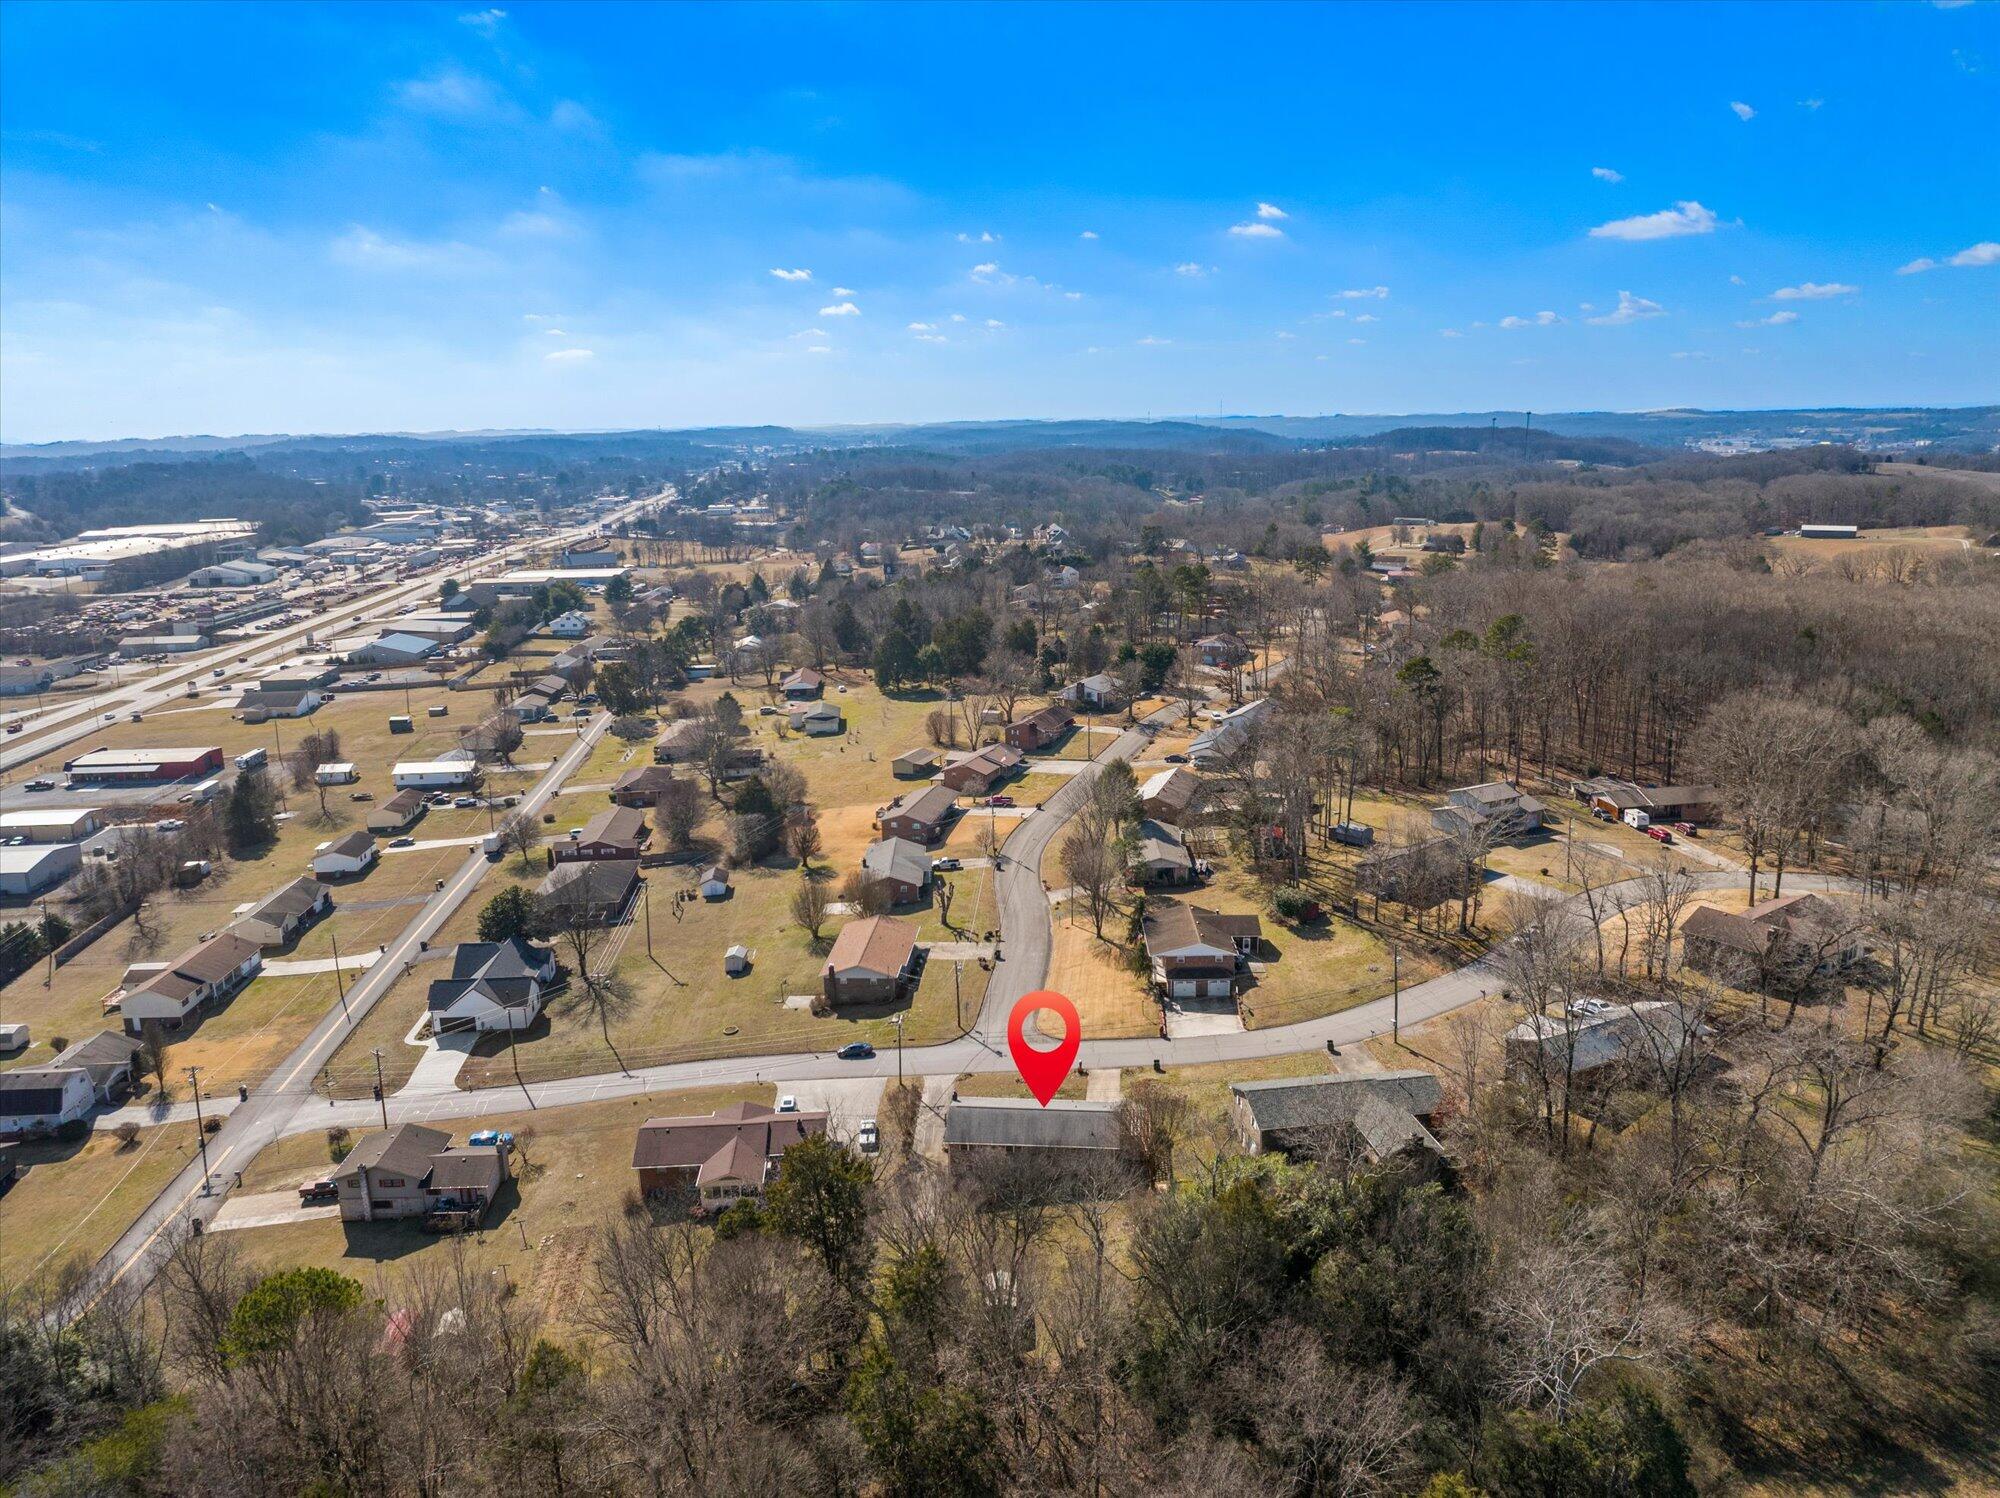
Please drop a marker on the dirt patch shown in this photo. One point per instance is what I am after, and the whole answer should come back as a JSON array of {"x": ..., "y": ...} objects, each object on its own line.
[{"x": 562, "y": 1262}]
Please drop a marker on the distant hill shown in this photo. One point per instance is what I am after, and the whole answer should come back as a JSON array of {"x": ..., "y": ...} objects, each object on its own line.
[{"x": 1527, "y": 445}]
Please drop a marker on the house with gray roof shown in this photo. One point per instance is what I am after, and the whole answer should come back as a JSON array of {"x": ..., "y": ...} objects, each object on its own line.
[
  {"x": 1497, "y": 808},
  {"x": 903, "y": 866},
  {"x": 1385, "y": 1113},
  {"x": 980, "y": 1133},
  {"x": 493, "y": 986}
]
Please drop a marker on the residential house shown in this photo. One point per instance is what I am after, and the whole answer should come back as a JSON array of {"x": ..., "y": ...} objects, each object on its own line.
[
  {"x": 1093, "y": 693},
  {"x": 915, "y": 764},
  {"x": 493, "y": 986},
  {"x": 1197, "y": 953},
  {"x": 167, "y": 995},
  {"x": 108, "y": 1058},
  {"x": 35, "y": 1099},
  {"x": 803, "y": 684},
  {"x": 873, "y": 961},
  {"x": 1221, "y": 650},
  {"x": 1160, "y": 857},
  {"x": 399, "y": 813},
  {"x": 985, "y": 1135},
  {"x": 280, "y": 916},
  {"x": 336, "y": 772},
  {"x": 713, "y": 882},
  {"x": 1607, "y": 1042},
  {"x": 921, "y": 816},
  {"x": 820, "y": 720},
  {"x": 450, "y": 771},
  {"x": 679, "y": 742},
  {"x": 412, "y": 1171},
  {"x": 1228, "y": 732},
  {"x": 1041, "y": 729},
  {"x": 1497, "y": 809},
  {"x": 620, "y": 833},
  {"x": 901, "y": 866},
  {"x": 572, "y": 625},
  {"x": 643, "y": 785},
  {"x": 724, "y": 1156},
  {"x": 1786, "y": 943},
  {"x": 595, "y": 891},
  {"x": 1661, "y": 803},
  {"x": 348, "y": 856},
  {"x": 1169, "y": 795},
  {"x": 1386, "y": 1114},
  {"x": 977, "y": 774}
]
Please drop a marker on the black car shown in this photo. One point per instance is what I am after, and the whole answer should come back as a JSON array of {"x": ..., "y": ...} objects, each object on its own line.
[{"x": 859, "y": 1050}]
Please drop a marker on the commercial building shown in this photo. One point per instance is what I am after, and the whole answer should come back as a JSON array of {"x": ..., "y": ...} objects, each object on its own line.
[
  {"x": 30, "y": 868},
  {"x": 137, "y": 766}
]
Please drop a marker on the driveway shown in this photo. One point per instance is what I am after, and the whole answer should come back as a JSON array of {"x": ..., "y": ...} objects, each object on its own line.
[{"x": 844, "y": 1100}]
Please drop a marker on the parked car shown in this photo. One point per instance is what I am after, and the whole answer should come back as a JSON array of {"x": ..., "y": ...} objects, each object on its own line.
[
  {"x": 945, "y": 865},
  {"x": 1685, "y": 829},
  {"x": 1177, "y": 759},
  {"x": 13, "y": 728},
  {"x": 361, "y": 795},
  {"x": 1659, "y": 834},
  {"x": 39, "y": 784},
  {"x": 856, "y": 1050},
  {"x": 313, "y": 1193},
  {"x": 491, "y": 1136},
  {"x": 867, "y": 1137},
  {"x": 402, "y": 842},
  {"x": 170, "y": 824},
  {"x": 1000, "y": 801},
  {"x": 462, "y": 802},
  {"x": 788, "y": 1104}
]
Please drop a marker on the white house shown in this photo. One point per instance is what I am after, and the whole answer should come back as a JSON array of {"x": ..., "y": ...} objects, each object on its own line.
[
  {"x": 37, "y": 1098},
  {"x": 493, "y": 986},
  {"x": 346, "y": 857},
  {"x": 284, "y": 913},
  {"x": 573, "y": 625},
  {"x": 337, "y": 772},
  {"x": 820, "y": 720},
  {"x": 431, "y": 774},
  {"x": 170, "y": 993}
]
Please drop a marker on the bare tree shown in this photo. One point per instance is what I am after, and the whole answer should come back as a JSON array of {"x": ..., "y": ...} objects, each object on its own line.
[{"x": 809, "y": 903}]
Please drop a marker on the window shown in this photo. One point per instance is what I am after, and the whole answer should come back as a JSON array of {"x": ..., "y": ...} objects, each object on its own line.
[{"x": 391, "y": 1183}]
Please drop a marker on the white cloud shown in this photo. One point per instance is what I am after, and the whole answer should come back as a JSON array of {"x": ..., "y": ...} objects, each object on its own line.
[
  {"x": 1367, "y": 317},
  {"x": 1257, "y": 230},
  {"x": 840, "y": 309},
  {"x": 1775, "y": 320},
  {"x": 1539, "y": 320},
  {"x": 1812, "y": 291},
  {"x": 984, "y": 236},
  {"x": 1271, "y": 210},
  {"x": 818, "y": 348},
  {"x": 536, "y": 226},
  {"x": 923, "y": 327},
  {"x": 1812, "y": 104},
  {"x": 555, "y": 332},
  {"x": 843, "y": 291},
  {"x": 793, "y": 275},
  {"x": 1149, "y": 341},
  {"x": 452, "y": 92},
  {"x": 567, "y": 356},
  {"x": 483, "y": 20},
  {"x": 1088, "y": 234},
  {"x": 1986, "y": 252},
  {"x": 1606, "y": 174},
  {"x": 1743, "y": 111},
  {"x": 932, "y": 338},
  {"x": 363, "y": 247},
  {"x": 1449, "y": 333},
  {"x": 958, "y": 317},
  {"x": 1685, "y": 353},
  {"x": 1072, "y": 296},
  {"x": 810, "y": 333},
  {"x": 1357, "y": 340},
  {"x": 1630, "y": 308},
  {"x": 1283, "y": 337},
  {"x": 989, "y": 273},
  {"x": 994, "y": 322},
  {"x": 1361, "y": 292},
  {"x": 1736, "y": 281},
  {"x": 570, "y": 115},
  {"x": 1669, "y": 223},
  {"x": 1190, "y": 268}
]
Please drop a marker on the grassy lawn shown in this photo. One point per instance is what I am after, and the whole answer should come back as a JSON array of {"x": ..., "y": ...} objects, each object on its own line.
[
  {"x": 573, "y": 1173},
  {"x": 1009, "y": 1084},
  {"x": 71, "y": 1201},
  {"x": 1111, "y": 1000}
]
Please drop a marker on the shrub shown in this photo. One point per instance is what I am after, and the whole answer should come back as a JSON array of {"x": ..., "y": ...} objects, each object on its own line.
[
  {"x": 127, "y": 1134},
  {"x": 73, "y": 1132}
]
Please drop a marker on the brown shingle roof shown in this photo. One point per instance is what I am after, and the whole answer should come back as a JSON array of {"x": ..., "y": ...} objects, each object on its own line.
[
  {"x": 1171, "y": 926},
  {"x": 621, "y": 825},
  {"x": 682, "y": 1143},
  {"x": 879, "y": 943},
  {"x": 216, "y": 958},
  {"x": 405, "y": 1149}
]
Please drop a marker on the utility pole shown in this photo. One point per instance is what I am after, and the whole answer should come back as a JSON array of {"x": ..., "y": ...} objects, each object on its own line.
[
  {"x": 381, "y": 1097},
  {"x": 200, "y": 1127},
  {"x": 339, "y": 983},
  {"x": 1395, "y": 1003},
  {"x": 897, "y": 1021},
  {"x": 957, "y": 1011},
  {"x": 646, "y": 899}
]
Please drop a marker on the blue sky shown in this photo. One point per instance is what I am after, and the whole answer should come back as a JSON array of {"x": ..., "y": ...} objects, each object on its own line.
[{"x": 249, "y": 218}]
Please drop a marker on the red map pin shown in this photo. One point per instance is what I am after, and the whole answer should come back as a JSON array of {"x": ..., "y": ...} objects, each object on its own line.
[{"x": 1044, "y": 1071}]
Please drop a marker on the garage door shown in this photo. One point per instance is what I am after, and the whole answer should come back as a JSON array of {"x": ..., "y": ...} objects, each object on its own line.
[
  {"x": 1184, "y": 988},
  {"x": 1218, "y": 988}
]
